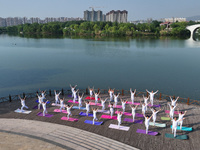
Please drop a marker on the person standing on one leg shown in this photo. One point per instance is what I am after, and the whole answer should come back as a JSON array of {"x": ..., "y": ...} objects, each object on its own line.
[
  {"x": 94, "y": 114},
  {"x": 119, "y": 118},
  {"x": 173, "y": 101},
  {"x": 111, "y": 92},
  {"x": 96, "y": 95},
  {"x": 132, "y": 95},
  {"x": 61, "y": 104},
  {"x": 123, "y": 105},
  {"x": 151, "y": 95},
  {"x": 72, "y": 89},
  {"x": 180, "y": 117},
  {"x": 103, "y": 103},
  {"x": 174, "y": 125},
  {"x": 147, "y": 119},
  {"x": 111, "y": 109},
  {"x": 146, "y": 99},
  {"x": 44, "y": 108},
  {"x": 133, "y": 108},
  {"x": 154, "y": 114},
  {"x": 116, "y": 98},
  {"x": 57, "y": 96},
  {"x": 40, "y": 100},
  {"x": 69, "y": 111},
  {"x": 144, "y": 107},
  {"x": 80, "y": 100},
  {"x": 23, "y": 103},
  {"x": 172, "y": 108},
  {"x": 87, "y": 107},
  {"x": 91, "y": 90},
  {"x": 75, "y": 95}
]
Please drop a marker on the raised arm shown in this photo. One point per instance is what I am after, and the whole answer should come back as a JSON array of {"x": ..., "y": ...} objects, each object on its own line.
[
  {"x": 19, "y": 97},
  {"x": 147, "y": 91},
  {"x": 130, "y": 90},
  {"x": 170, "y": 98},
  {"x": 75, "y": 86},
  {"x": 155, "y": 92},
  {"x": 70, "y": 86},
  {"x": 134, "y": 91},
  {"x": 185, "y": 113},
  {"x": 177, "y": 98},
  {"x": 46, "y": 101}
]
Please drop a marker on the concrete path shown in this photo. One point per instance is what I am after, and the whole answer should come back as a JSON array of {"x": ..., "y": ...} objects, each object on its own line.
[{"x": 52, "y": 136}]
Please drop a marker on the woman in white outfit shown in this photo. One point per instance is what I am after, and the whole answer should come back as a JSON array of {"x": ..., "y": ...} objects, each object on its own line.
[
  {"x": 87, "y": 107},
  {"x": 40, "y": 100},
  {"x": 123, "y": 105},
  {"x": 96, "y": 95},
  {"x": 174, "y": 125},
  {"x": 94, "y": 114},
  {"x": 151, "y": 95},
  {"x": 147, "y": 119},
  {"x": 111, "y": 92},
  {"x": 172, "y": 108},
  {"x": 132, "y": 95},
  {"x": 61, "y": 104},
  {"x": 43, "y": 93},
  {"x": 72, "y": 89},
  {"x": 180, "y": 117},
  {"x": 133, "y": 108},
  {"x": 23, "y": 103},
  {"x": 173, "y": 101},
  {"x": 144, "y": 107},
  {"x": 119, "y": 118},
  {"x": 103, "y": 103},
  {"x": 111, "y": 109},
  {"x": 75, "y": 95},
  {"x": 145, "y": 99},
  {"x": 154, "y": 114},
  {"x": 116, "y": 98},
  {"x": 57, "y": 96},
  {"x": 69, "y": 111},
  {"x": 44, "y": 107},
  {"x": 80, "y": 100},
  {"x": 91, "y": 91}
]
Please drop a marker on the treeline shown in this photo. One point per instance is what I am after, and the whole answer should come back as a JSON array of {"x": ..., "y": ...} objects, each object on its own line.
[{"x": 103, "y": 28}]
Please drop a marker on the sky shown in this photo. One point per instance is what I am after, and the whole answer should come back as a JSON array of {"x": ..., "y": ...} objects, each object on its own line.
[{"x": 137, "y": 9}]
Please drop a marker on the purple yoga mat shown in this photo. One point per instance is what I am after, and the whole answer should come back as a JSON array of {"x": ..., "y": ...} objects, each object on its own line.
[
  {"x": 46, "y": 115},
  {"x": 135, "y": 121},
  {"x": 133, "y": 103},
  {"x": 144, "y": 132},
  {"x": 125, "y": 113},
  {"x": 154, "y": 105},
  {"x": 139, "y": 115},
  {"x": 71, "y": 101}
]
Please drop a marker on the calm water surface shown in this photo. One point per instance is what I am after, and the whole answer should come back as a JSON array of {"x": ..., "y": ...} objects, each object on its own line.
[{"x": 169, "y": 65}]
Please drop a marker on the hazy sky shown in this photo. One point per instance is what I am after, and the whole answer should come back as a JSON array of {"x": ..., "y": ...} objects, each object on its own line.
[{"x": 137, "y": 9}]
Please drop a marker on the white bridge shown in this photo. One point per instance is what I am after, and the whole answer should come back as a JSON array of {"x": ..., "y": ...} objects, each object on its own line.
[{"x": 192, "y": 29}]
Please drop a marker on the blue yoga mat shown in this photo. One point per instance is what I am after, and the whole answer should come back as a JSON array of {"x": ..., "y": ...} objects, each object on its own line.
[
  {"x": 84, "y": 114},
  {"x": 76, "y": 107},
  {"x": 91, "y": 122},
  {"x": 184, "y": 128},
  {"x": 38, "y": 101}
]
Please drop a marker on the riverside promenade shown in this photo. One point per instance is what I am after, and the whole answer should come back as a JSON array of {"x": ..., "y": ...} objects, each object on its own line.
[{"x": 51, "y": 133}]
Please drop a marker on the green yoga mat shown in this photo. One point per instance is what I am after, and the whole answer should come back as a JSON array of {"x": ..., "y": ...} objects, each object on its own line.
[
  {"x": 165, "y": 118},
  {"x": 181, "y": 137},
  {"x": 184, "y": 128},
  {"x": 158, "y": 124}
]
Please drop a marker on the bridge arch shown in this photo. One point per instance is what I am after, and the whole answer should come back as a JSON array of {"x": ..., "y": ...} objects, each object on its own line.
[{"x": 192, "y": 29}]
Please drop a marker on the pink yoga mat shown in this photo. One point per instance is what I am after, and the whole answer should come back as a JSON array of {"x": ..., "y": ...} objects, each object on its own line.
[
  {"x": 125, "y": 113},
  {"x": 92, "y": 103},
  {"x": 58, "y": 110},
  {"x": 144, "y": 132},
  {"x": 118, "y": 106},
  {"x": 167, "y": 111},
  {"x": 133, "y": 103},
  {"x": 46, "y": 115},
  {"x": 71, "y": 101},
  {"x": 92, "y": 98},
  {"x": 109, "y": 117},
  {"x": 135, "y": 121},
  {"x": 70, "y": 119}
]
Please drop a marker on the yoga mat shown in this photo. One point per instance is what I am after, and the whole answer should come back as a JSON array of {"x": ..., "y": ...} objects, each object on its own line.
[
  {"x": 139, "y": 115},
  {"x": 144, "y": 132},
  {"x": 38, "y": 101},
  {"x": 114, "y": 126},
  {"x": 125, "y": 113},
  {"x": 165, "y": 118},
  {"x": 92, "y": 98},
  {"x": 69, "y": 95},
  {"x": 71, "y": 101},
  {"x": 109, "y": 117},
  {"x": 104, "y": 111},
  {"x": 135, "y": 121},
  {"x": 167, "y": 111},
  {"x": 154, "y": 105},
  {"x": 58, "y": 110},
  {"x": 92, "y": 103},
  {"x": 84, "y": 114},
  {"x": 118, "y": 106},
  {"x": 23, "y": 112},
  {"x": 46, "y": 115},
  {"x": 133, "y": 103},
  {"x": 70, "y": 119},
  {"x": 76, "y": 107},
  {"x": 184, "y": 128},
  {"x": 157, "y": 124},
  {"x": 181, "y": 137},
  {"x": 91, "y": 122}
]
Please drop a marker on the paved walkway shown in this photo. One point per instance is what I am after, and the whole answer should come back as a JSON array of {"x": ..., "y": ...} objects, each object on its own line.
[{"x": 45, "y": 135}]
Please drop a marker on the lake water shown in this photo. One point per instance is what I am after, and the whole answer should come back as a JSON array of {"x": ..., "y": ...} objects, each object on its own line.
[{"x": 170, "y": 65}]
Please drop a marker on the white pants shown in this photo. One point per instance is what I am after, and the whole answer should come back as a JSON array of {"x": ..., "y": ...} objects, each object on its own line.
[
  {"x": 143, "y": 111},
  {"x": 96, "y": 101},
  {"x": 39, "y": 105},
  {"x": 44, "y": 111},
  {"x": 119, "y": 122},
  {"x": 132, "y": 99},
  {"x": 61, "y": 107},
  {"x": 180, "y": 123},
  {"x": 147, "y": 128},
  {"x": 79, "y": 105},
  {"x": 103, "y": 107},
  {"x": 123, "y": 108},
  {"x": 133, "y": 114},
  {"x": 68, "y": 114},
  {"x": 74, "y": 100},
  {"x": 87, "y": 111},
  {"x": 115, "y": 104},
  {"x": 23, "y": 107},
  {"x": 154, "y": 120},
  {"x": 57, "y": 101},
  {"x": 94, "y": 119},
  {"x": 111, "y": 98},
  {"x": 151, "y": 100},
  {"x": 171, "y": 114},
  {"x": 174, "y": 131}
]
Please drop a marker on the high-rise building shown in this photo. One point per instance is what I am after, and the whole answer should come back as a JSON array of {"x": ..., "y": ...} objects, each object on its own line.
[
  {"x": 117, "y": 16},
  {"x": 93, "y": 15}
]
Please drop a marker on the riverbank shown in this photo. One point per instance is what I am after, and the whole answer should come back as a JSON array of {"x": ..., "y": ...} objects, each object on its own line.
[{"x": 130, "y": 137}]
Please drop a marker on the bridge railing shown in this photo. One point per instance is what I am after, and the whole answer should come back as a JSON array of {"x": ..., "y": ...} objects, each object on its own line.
[{"x": 65, "y": 92}]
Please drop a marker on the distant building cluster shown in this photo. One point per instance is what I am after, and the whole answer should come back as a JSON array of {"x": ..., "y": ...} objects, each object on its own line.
[
  {"x": 149, "y": 20},
  {"x": 172, "y": 20},
  {"x": 4, "y": 22},
  {"x": 112, "y": 16}
]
